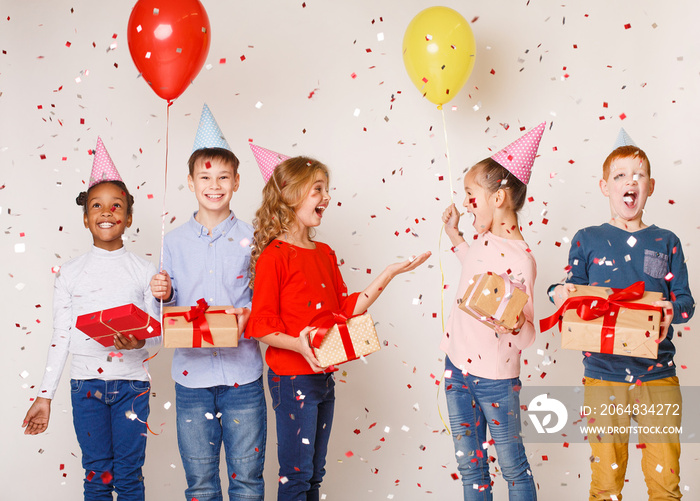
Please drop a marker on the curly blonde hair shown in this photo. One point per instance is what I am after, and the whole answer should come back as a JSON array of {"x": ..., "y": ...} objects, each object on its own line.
[{"x": 284, "y": 191}]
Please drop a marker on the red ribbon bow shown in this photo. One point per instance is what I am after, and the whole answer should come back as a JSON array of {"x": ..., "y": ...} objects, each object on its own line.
[
  {"x": 200, "y": 326},
  {"x": 592, "y": 307},
  {"x": 328, "y": 320}
]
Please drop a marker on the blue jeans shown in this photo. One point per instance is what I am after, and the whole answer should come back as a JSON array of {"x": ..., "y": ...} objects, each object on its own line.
[
  {"x": 304, "y": 413},
  {"x": 113, "y": 446},
  {"x": 234, "y": 415},
  {"x": 473, "y": 404}
]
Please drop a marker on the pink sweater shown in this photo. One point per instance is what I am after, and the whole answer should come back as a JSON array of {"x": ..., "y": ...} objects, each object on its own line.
[{"x": 471, "y": 345}]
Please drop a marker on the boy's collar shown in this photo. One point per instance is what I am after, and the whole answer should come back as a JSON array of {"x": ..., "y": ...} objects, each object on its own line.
[{"x": 223, "y": 227}]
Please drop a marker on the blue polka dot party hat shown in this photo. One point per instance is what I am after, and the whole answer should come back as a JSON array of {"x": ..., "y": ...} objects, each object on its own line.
[{"x": 209, "y": 134}]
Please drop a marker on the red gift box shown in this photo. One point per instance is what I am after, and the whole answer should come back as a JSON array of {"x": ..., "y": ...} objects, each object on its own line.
[{"x": 126, "y": 319}]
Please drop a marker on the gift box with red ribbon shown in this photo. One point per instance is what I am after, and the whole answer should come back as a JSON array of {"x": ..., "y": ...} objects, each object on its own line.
[
  {"x": 494, "y": 300},
  {"x": 613, "y": 321},
  {"x": 340, "y": 339},
  {"x": 199, "y": 326},
  {"x": 126, "y": 319}
]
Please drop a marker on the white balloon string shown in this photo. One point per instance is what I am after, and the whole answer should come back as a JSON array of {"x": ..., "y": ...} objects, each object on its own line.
[
  {"x": 442, "y": 271},
  {"x": 447, "y": 154}
]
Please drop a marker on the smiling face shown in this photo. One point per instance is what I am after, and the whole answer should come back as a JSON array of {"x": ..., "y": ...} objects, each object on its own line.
[
  {"x": 213, "y": 183},
  {"x": 478, "y": 201},
  {"x": 106, "y": 216},
  {"x": 310, "y": 210},
  {"x": 628, "y": 186}
]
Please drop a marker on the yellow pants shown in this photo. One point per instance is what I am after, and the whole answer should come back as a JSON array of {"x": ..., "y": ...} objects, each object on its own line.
[{"x": 655, "y": 406}]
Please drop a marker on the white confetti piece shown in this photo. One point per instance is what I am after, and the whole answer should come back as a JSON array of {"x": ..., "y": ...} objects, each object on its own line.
[
  {"x": 405, "y": 428},
  {"x": 258, "y": 105},
  {"x": 19, "y": 286},
  {"x": 613, "y": 466},
  {"x": 20, "y": 248},
  {"x": 387, "y": 429},
  {"x": 631, "y": 241},
  {"x": 659, "y": 468},
  {"x": 380, "y": 37},
  {"x": 167, "y": 405},
  {"x": 356, "y": 113},
  {"x": 24, "y": 374},
  {"x": 209, "y": 415},
  {"x": 305, "y": 441},
  {"x": 284, "y": 480}
]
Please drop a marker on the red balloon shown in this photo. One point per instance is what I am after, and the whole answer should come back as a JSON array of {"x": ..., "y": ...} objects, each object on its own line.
[{"x": 169, "y": 42}]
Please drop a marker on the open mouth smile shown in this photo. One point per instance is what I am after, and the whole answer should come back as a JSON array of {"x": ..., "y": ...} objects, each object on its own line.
[
  {"x": 214, "y": 197},
  {"x": 630, "y": 199},
  {"x": 105, "y": 225},
  {"x": 320, "y": 209}
]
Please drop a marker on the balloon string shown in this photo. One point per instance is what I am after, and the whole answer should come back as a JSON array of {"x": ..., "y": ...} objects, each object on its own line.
[
  {"x": 133, "y": 413},
  {"x": 160, "y": 267},
  {"x": 447, "y": 153},
  {"x": 442, "y": 320}
]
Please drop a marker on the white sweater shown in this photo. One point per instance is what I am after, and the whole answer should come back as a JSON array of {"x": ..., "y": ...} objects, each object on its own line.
[{"x": 91, "y": 282}]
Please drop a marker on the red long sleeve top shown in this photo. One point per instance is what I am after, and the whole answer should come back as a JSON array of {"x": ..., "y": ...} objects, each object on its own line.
[{"x": 292, "y": 286}]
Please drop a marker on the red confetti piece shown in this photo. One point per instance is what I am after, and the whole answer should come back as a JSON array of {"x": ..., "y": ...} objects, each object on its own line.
[
  {"x": 628, "y": 26},
  {"x": 106, "y": 477},
  {"x": 545, "y": 458},
  {"x": 90, "y": 476},
  {"x": 671, "y": 202},
  {"x": 622, "y": 116},
  {"x": 99, "y": 370},
  {"x": 233, "y": 475},
  {"x": 493, "y": 72},
  {"x": 184, "y": 373},
  {"x": 208, "y": 164},
  {"x": 82, "y": 121},
  {"x": 454, "y": 476},
  {"x": 68, "y": 44},
  {"x": 242, "y": 58},
  {"x": 222, "y": 60},
  {"x": 425, "y": 80},
  {"x": 349, "y": 454}
]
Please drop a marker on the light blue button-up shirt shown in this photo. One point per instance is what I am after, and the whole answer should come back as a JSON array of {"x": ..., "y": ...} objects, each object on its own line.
[{"x": 214, "y": 268}]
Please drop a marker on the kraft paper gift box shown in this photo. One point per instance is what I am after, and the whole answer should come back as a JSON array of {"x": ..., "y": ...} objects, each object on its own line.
[
  {"x": 126, "y": 319},
  {"x": 494, "y": 300},
  {"x": 621, "y": 329},
  {"x": 200, "y": 326},
  {"x": 344, "y": 341}
]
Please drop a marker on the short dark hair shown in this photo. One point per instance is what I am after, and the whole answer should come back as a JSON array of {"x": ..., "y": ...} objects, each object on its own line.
[
  {"x": 84, "y": 196},
  {"x": 208, "y": 154},
  {"x": 492, "y": 176}
]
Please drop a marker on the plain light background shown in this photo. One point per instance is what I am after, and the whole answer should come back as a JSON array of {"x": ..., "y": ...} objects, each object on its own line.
[{"x": 326, "y": 79}]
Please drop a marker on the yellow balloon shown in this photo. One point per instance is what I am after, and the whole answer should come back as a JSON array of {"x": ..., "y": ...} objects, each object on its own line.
[{"x": 439, "y": 52}]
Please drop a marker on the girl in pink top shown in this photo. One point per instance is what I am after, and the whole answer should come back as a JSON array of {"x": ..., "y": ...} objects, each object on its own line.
[{"x": 482, "y": 365}]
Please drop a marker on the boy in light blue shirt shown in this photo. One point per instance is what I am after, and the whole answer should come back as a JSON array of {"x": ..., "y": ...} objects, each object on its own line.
[{"x": 219, "y": 391}]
